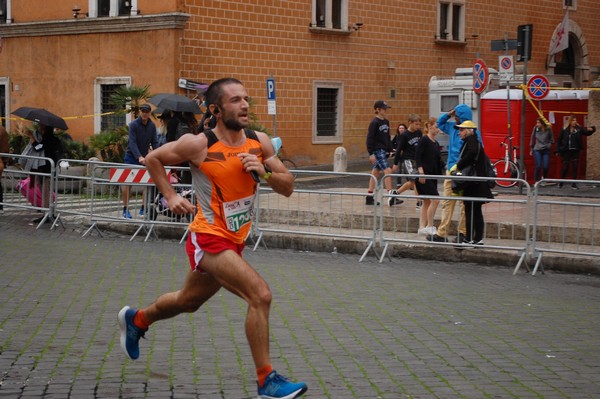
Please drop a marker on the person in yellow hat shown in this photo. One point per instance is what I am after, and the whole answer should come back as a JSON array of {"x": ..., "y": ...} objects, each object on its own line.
[
  {"x": 447, "y": 123},
  {"x": 472, "y": 154}
]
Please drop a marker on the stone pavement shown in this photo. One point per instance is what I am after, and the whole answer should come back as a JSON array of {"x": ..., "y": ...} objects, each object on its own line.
[{"x": 403, "y": 329}]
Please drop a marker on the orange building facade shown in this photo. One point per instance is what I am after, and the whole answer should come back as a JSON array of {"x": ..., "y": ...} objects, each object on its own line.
[{"x": 330, "y": 59}]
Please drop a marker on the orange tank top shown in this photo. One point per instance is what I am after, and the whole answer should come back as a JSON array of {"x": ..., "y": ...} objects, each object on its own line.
[{"x": 225, "y": 192}]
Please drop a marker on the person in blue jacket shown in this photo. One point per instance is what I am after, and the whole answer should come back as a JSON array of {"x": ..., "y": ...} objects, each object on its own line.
[
  {"x": 142, "y": 139},
  {"x": 446, "y": 123}
]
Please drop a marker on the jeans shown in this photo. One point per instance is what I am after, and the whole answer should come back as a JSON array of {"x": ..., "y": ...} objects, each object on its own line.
[
  {"x": 570, "y": 157},
  {"x": 542, "y": 161}
]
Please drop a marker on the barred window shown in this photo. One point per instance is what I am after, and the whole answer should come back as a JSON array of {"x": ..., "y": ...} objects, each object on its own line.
[
  {"x": 328, "y": 112},
  {"x": 111, "y": 121},
  {"x": 104, "y": 87}
]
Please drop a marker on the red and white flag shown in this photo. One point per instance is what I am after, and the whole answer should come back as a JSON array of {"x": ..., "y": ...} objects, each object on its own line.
[{"x": 560, "y": 40}]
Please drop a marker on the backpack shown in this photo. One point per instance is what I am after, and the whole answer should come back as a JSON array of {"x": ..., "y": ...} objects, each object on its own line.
[{"x": 490, "y": 171}]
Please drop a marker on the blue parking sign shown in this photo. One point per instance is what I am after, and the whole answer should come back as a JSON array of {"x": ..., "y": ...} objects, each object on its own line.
[{"x": 270, "y": 89}]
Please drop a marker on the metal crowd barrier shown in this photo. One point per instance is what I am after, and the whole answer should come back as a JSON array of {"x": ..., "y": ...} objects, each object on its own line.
[
  {"x": 73, "y": 184},
  {"x": 320, "y": 212},
  {"x": 507, "y": 218},
  {"x": 19, "y": 193},
  {"x": 565, "y": 226},
  {"x": 106, "y": 205},
  {"x": 527, "y": 224}
]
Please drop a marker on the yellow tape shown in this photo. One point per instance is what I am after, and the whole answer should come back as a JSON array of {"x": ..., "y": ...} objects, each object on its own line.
[
  {"x": 540, "y": 113},
  {"x": 65, "y": 118}
]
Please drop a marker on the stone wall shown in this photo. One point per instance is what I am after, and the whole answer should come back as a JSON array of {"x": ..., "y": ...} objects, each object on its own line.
[{"x": 593, "y": 141}]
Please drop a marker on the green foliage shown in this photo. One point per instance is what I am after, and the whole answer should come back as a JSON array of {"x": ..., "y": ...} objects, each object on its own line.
[
  {"x": 75, "y": 149},
  {"x": 71, "y": 149},
  {"x": 111, "y": 144},
  {"x": 254, "y": 122},
  {"x": 132, "y": 95},
  {"x": 17, "y": 142}
]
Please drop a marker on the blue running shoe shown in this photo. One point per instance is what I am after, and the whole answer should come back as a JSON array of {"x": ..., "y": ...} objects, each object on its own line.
[
  {"x": 278, "y": 387},
  {"x": 126, "y": 214},
  {"x": 130, "y": 334}
]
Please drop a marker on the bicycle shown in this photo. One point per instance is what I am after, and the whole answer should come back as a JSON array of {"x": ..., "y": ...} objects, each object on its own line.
[
  {"x": 288, "y": 163},
  {"x": 507, "y": 168}
]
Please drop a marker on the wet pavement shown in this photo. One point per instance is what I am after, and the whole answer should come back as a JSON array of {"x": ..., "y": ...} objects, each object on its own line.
[{"x": 402, "y": 329}]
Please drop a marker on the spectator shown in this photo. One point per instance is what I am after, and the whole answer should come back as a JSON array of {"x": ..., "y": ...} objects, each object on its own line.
[
  {"x": 428, "y": 158},
  {"x": 446, "y": 122},
  {"x": 405, "y": 154},
  {"x": 540, "y": 143},
  {"x": 570, "y": 144},
  {"x": 472, "y": 153},
  {"x": 142, "y": 139},
  {"x": 48, "y": 145},
  {"x": 161, "y": 129},
  {"x": 399, "y": 132},
  {"x": 379, "y": 146}
]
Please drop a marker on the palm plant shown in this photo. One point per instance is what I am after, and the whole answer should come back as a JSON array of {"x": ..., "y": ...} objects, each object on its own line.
[{"x": 132, "y": 95}]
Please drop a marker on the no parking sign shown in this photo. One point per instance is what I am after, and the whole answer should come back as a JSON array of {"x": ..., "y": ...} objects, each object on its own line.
[
  {"x": 538, "y": 87},
  {"x": 506, "y": 67},
  {"x": 481, "y": 76}
]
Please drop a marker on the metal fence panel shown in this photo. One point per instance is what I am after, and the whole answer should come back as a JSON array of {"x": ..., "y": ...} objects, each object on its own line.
[
  {"x": 19, "y": 192},
  {"x": 321, "y": 212},
  {"x": 507, "y": 220},
  {"x": 565, "y": 226}
]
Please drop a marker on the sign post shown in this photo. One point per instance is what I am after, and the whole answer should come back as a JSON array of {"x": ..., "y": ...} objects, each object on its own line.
[
  {"x": 271, "y": 103},
  {"x": 506, "y": 68},
  {"x": 524, "y": 34}
]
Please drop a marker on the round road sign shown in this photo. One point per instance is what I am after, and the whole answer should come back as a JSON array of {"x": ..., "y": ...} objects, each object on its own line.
[
  {"x": 481, "y": 76},
  {"x": 538, "y": 87},
  {"x": 506, "y": 63}
]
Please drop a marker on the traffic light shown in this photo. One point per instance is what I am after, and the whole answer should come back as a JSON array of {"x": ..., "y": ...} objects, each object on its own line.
[{"x": 524, "y": 36}]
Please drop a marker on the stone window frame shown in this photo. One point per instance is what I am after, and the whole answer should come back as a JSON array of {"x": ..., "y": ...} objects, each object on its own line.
[{"x": 339, "y": 112}]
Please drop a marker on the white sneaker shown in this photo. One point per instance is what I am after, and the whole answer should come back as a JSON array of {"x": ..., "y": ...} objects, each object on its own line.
[
  {"x": 432, "y": 230},
  {"x": 423, "y": 231}
]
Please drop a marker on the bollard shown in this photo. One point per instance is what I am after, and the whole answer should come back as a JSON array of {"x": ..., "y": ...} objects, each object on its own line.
[{"x": 340, "y": 160}]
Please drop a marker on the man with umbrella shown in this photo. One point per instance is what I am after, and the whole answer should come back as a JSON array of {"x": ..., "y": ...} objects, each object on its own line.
[{"x": 142, "y": 139}]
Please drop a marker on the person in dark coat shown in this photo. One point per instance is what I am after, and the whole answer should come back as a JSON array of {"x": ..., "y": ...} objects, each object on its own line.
[
  {"x": 570, "y": 144},
  {"x": 429, "y": 162},
  {"x": 472, "y": 153},
  {"x": 53, "y": 149}
]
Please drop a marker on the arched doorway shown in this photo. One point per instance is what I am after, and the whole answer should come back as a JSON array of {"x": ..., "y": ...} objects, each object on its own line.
[{"x": 570, "y": 67}]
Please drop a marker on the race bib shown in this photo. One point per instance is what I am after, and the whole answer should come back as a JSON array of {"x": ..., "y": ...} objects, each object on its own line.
[{"x": 238, "y": 213}]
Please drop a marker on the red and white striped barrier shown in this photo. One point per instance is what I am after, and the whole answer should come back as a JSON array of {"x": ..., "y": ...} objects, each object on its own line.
[{"x": 126, "y": 175}]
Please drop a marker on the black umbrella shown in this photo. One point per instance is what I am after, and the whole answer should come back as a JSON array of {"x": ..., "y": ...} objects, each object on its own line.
[
  {"x": 175, "y": 102},
  {"x": 40, "y": 115}
]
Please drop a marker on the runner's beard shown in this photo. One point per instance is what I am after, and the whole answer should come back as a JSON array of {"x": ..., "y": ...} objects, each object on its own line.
[{"x": 234, "y": 124}]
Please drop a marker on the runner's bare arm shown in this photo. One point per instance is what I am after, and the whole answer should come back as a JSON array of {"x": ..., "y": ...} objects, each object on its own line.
[{"x": 188, "y": 148}]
